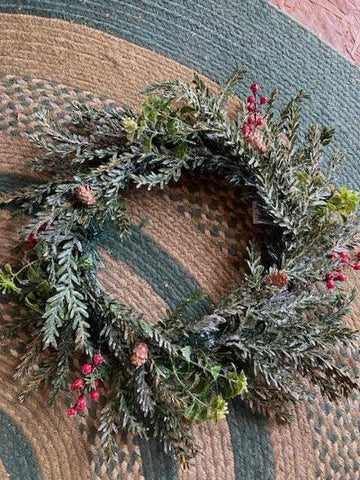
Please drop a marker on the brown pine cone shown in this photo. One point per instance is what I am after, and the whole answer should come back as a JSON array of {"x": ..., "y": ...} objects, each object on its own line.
[
  {"x": 140, "y": 354},
  {"x": 257, "y": 143},
  {"x": 277, "y": 279},
  {"x": 85, "y": 195}
]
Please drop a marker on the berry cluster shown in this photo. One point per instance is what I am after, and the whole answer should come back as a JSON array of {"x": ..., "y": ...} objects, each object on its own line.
[
  {"x": 339, "y": 276},
  {"x": 254, "y": 119},
  {"x": 32, "y": 240},
  {"x": 89, "y": 383}
]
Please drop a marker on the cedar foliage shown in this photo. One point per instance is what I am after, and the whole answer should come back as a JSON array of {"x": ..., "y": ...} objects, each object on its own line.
[{"x": 261, "y": 342}]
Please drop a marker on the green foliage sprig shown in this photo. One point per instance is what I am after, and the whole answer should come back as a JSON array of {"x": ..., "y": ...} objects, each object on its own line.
[{"x": 277, "y": 330}]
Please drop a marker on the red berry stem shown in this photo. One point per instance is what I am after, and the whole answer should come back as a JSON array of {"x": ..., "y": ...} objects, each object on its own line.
[
  {"x": 254, "y": 120},
  {"x": 82, "y": 387}
]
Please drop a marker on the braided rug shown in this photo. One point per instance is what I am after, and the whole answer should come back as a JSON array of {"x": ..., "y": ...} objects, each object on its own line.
[{"x": 53, "y": 52}]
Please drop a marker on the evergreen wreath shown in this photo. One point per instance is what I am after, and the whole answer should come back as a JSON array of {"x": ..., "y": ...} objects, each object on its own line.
[{"x": 279, "y": 329}]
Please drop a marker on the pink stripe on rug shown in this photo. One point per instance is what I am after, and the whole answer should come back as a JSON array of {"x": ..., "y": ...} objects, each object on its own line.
[{"x": 336, "y": 22}]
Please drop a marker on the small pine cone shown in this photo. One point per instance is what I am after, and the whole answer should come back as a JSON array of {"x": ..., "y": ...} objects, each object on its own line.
[
  {"x": 85, "y": 195},
  {"x": 277, "y": 279},
  {"x": 257, "y": 143},
  {"x": 140, "y": 354}
]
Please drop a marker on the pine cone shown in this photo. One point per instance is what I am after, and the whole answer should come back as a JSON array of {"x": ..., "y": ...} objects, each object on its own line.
[
  {"x": 257, "y": 143},
  {"x": 85, "y": 195},
  {"x": 277, "y": 279},
  {"x": 140, "y": 354}
]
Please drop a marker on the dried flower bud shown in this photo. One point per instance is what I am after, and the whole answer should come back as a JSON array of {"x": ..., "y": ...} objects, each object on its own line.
[
  {"x": 85, "y": 195},
  {"x": 140, "y": 354},
  {"x": 257, "y": 143},
  {"x": 277, "y": 279}
]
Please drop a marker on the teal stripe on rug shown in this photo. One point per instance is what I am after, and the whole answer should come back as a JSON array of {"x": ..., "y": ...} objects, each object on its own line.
[
  {"x": 12, "y": 181},
  {"x": 252, "y": 447},
  {"x": 168, "y": 278},
  {"x": 212, "y": 36},
  {"x": 16, "y": 452},
  {"x": 156, "y": 464}
]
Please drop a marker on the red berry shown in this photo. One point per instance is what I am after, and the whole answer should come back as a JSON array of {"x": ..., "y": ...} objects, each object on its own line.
[
  {"x": 32, "y": 238},
  {"x": 264, "y": 100},
  {"x": 98, "y": 359},
  {"x": 251, "y": 99},
  {"x": 344, "y": 254},
  {"x": 330, "y": 283},
  {"x": 257, "y": 110},
  {"x": 71, "y": 412},
  {"x": 86, "y": 368},
  {"x": 95, "y": 395},
  {"x": 255, "y": 87},
  {"x": 96, "y": 383},
  {"x": 251, "y": 127},
  {"x": 78, "y": 383},
  {"x": 334, "y": 255},
  {"x": 251, "y": 107},
  {"x": 341, "y": 277},
  {"x": 329, "y": 276},
  {"x": 358, "y": 254},
  {"x": 81, "y": 403},
  {"x": 251, "y": 120},
  {"x": 356, "y": 266},
  {"x": 259, "y": 121},
  {"x": 31, "y": 242},
  {"x": 345, "y": 261},
  {"x": 245, "y": 129},
  {"x": 42, "y": 227}
]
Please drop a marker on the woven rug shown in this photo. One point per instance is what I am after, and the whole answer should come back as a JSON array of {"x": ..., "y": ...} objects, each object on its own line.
[{"x": 53, "y": 52}]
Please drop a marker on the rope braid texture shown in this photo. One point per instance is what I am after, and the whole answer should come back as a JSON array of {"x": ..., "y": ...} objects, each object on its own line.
[{"x": 279, "y": 328}]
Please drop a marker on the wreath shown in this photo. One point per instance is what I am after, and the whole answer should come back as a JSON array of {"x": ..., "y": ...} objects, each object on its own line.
[{"x": 273, "y": 333}]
